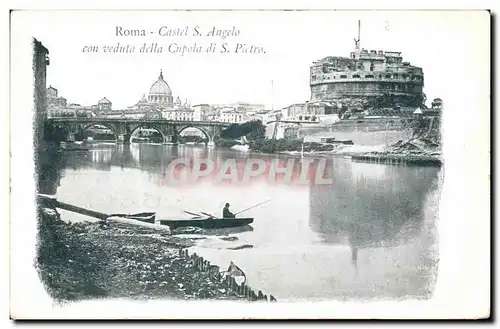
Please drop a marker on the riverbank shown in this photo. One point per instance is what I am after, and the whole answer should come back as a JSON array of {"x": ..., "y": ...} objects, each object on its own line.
[
  {"x": 115, "y": 260},
  {"x": 411, "y": 152},
  {"x": 419, "y": 152}
]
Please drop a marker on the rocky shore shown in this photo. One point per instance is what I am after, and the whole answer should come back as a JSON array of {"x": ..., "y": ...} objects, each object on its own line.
[
  {"x": 414, "y": 151},
  {"x": 116, "y": 260}
]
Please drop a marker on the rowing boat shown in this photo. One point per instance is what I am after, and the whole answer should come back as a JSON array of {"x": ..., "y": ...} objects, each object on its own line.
[
  {"x": 207, "y": 223},
  {"x": 147, "y": 217}
]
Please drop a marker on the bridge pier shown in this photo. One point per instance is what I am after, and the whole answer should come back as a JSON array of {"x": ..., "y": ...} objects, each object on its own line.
[
  {"x": 168, "y": 139},
  {"x": 123, "y": 139},
  {"x": 174, "y": 140}
]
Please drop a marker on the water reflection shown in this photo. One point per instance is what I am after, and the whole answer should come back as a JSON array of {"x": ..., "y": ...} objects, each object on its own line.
[
  {"x": 374, "y": 206},
  {"x": 223, "y": 231},
  {"x": 370, "y": 204},
  {"x": 371, "y": 226},
  {"x": 155, "y": 160}
]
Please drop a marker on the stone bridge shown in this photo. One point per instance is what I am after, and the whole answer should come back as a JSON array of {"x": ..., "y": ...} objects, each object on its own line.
[{"x": 123, "y": 128}]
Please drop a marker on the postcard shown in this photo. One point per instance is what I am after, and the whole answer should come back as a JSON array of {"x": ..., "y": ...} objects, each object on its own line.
[{"x": 236, "y": 164}]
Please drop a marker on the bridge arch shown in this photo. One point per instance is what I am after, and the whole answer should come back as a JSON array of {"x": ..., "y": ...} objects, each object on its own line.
[
  {"x": 123, "y": 128},
  {"x": 204, "y": 131},
  {"x": 85, "y": 127},
  {"x": 148, "y": 126}
]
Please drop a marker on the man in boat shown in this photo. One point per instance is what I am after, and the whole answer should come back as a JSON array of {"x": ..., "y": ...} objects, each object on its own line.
[{"x": 226, "y": 213}]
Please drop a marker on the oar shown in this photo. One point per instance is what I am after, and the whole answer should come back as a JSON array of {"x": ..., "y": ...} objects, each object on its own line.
[
  {"x": 252, "y": 207},
  {"x": 206, "y": 214},
  {"x": 192, "y": 213}
]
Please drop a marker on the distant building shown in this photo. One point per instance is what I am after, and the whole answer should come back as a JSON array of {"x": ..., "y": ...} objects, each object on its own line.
[
  {"x": 322, "y": 108},
  {"x": 291, "y": 132},
  {"x": 295, "y": 111},
  {"x": 153, "y": 114},
  {"x": 248, "y": 107},
  {"x": 104, "y": 104},
  {"x": 78, "y": 110},
  {"x": 159, "y": 101},
  {"x": 231, "y": 115},
  {"x": 181, "y": 114},
  {"x": 241, "y": 106},
  {"x": 203, "y": 112},
  {"x": 55, "y": 103},
  {"x": 59, "y": 107},
  {"x": 197, "y": 115},
  {"x": 259, "y": 116},
  {"x": 308, "y": 111},
  {"x": 51, "y": 92},
  {"x": 279, "y": 114}
]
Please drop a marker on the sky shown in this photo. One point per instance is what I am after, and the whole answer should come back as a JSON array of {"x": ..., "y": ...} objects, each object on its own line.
[{"x": 435, "y": 41}]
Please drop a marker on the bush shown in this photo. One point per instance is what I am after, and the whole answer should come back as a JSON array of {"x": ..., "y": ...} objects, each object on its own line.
[
  {"x": 253, "y": 130},
  {"x": 290, "y": 145},
  {"x": 276, "y": 145}
]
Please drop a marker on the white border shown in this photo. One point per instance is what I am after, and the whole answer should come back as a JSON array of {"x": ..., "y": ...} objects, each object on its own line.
[{"x": 465, "y": 195}]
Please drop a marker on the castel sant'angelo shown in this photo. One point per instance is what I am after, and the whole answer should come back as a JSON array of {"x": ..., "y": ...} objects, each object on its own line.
[{"x": 368, "y": 78}]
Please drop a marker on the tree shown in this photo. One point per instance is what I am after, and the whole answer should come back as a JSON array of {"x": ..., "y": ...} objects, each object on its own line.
[
  {"x": 253, "y": 130},
  {"x": 257, "y": 130}
]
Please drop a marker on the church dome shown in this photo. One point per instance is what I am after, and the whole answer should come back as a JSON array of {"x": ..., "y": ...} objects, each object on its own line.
[
  {"x": 160, "y": 87},
  {"x": 160, "y": 92}
]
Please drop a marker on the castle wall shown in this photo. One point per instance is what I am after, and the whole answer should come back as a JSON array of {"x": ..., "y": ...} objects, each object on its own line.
[
  {"x": 361, "y": 132},
  {"x": 351, "y": 87}
]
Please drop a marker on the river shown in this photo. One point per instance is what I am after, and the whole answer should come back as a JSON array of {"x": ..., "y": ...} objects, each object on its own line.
[{"x": 371, "y": 234}]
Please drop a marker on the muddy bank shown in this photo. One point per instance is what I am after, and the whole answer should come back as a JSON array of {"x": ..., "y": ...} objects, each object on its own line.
[{"x": 115, "y": 260}]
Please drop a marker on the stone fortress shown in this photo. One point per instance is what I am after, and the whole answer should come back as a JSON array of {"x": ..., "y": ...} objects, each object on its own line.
[
  {"x": 367, "y": 75},
  {"x": 367, "y": 84},
  {"x": 369, "y": 91}
]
